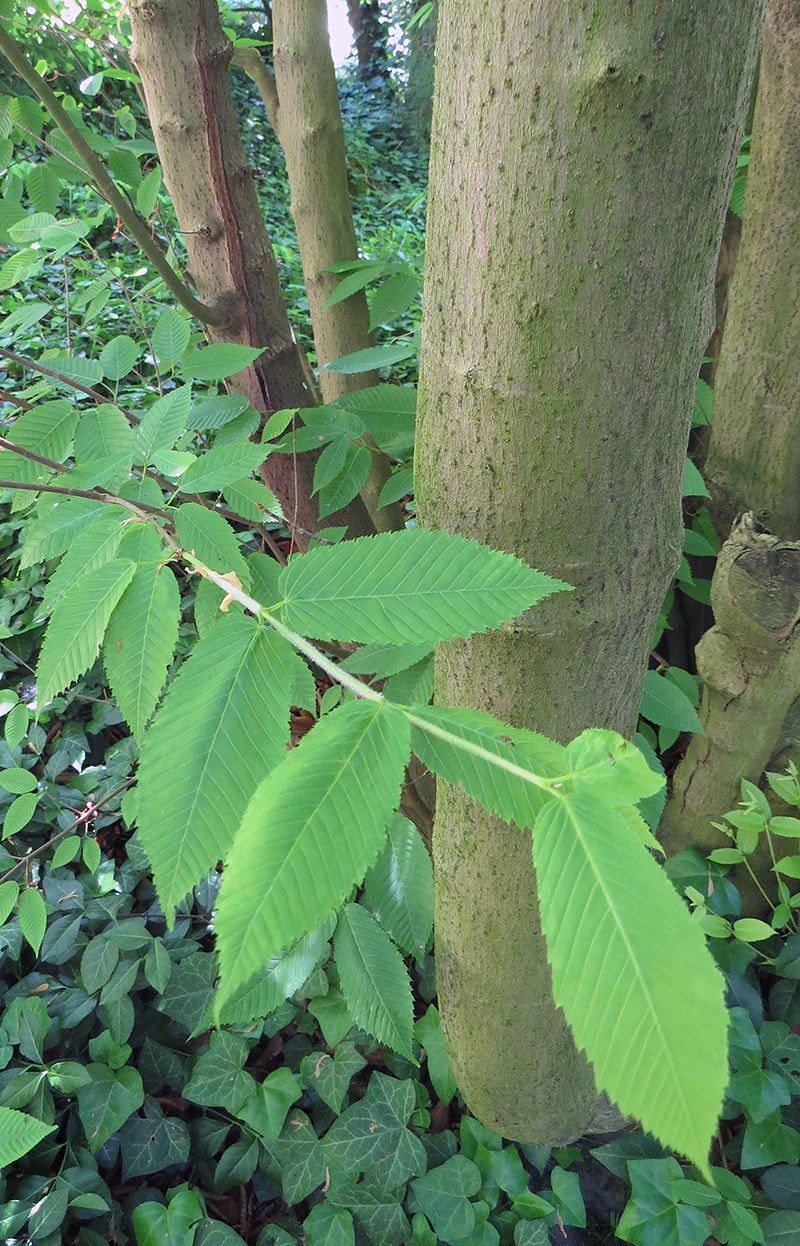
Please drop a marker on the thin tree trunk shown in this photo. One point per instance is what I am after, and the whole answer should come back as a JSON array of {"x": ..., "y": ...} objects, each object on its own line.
[
  {"x": 581, "y": 162},
  {"x": 183, "y": 57},
  {"x": 754, "y": 458}
]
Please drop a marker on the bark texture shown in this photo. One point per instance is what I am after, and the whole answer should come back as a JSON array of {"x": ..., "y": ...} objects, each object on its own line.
[
  {"x": 754, "y": 459},
  {"x": 581, "y": 161},
  {"x": 183, "y": 56},
  {"x": 750, "y": 664}
]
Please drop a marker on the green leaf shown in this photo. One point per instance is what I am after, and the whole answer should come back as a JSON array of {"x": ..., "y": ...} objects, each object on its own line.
[
  {"x": 329, "y": 1226},
  {"x": 171, "y": 335},
  {"x": 211, "y": 539},
  {"x": 444, "y": 1193},
  {"x": 399, "y": 484},
  {"x": 330, "y": 1076},
  {"x": 693, "y": 484},
  {"x": 221, "y": 466},
  {"x": 74, "y": 635},
  {"x": 107, "y": 1100},
  {"x": 252, "y": 500},
  {"x": 218, "y": 1078},
  {"x": 9, "y": 893},
  {"x": 371, "y": 359},
  {"x": 98, "y": 962},
  {"x": 383, "y": 660},
  {"x": 374, "y": 980},
  {"x": 265, "y": 1108},
  {"x": 504, "y": 768},
  {"x": 96, "y": 544},
  {"x": 330, "y": 800},
  {"x": 103, "y": 433},
  {"x": 119, "y": 357},
  {"x": 612, "y": 922},
  {"x": 399, "y": 888},
  {"x": 393, "y": 297},
  {"x": 653, "y": 1217},
  {"x": 19, "y": 813},
  {"x": 223, "y": 725},
  {"x": 18, "y": 780},
  {"x": 664, "y": 704},
  {"x": 217, "y": 411},
  {"x": 57, "y": 525},
  {"x": 32, "y": 917},
  {"x": 19, "y": 1133},
  {"x": 371, "y": 1136},
  {"x": 150, "y": 1145},
  {"x": 162, "y": 424},
  {"x": 428, "y": 1032},
  {"x": 610, "y": 768},
  {"x": 215, "y": 362},
  {"x": 349, "y": 482},
  {"x": 412, "y": 587},
  {"x": 48, "y": 430},
  {"x": 284, "y": 975},
  {"x": 140, "y": 642}
]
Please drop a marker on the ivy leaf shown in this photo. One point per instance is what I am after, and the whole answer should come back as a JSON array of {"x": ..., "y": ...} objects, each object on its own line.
[
  {"x": 374, "y": 980},
  {"x": 140, "y": 641},
  {"x": 613, "y": 922},
  {"x": 329, "y": 801},
  {"x": 413, "y": 587},
  {"x": 107, "y": 1100},
  {"x": 223, "y": 725},
  {"x": 73, "y": 637}
]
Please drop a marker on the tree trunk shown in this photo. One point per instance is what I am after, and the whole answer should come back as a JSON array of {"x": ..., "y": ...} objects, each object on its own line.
[
  {"x": 309, "y": 126},
  {"x": 754, "y": 459},
  {"x": 581, "y": 161},
  {"x": 182, "y": 56}
]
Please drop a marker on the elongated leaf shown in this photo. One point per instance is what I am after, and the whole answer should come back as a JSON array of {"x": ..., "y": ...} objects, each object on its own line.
[
  {"x": 213, "y": 363},
  {"x": 73, "y": 637},
  {"x": 140, "y": 641},
  {"x": 632, "y": 972},
  {"x": 19, "y": 1133},
  {"x": 119, "y": 357},
  {"x": 413, "y": 587},
  {"x": 665, "y": 704},
  {"x": 47, "y": 430},
  {"x": 32, "y": 916},
  {"x": 371, "y": 358},
  {"x": 399, "y": 888},
  {"x": 490, "y": 760},
  {"x": 211, "y": 539},
  {"x": 56, "y": 526},
  {"x": 375, "y": 982},
  {"x": 171, "y": 334},
  {"x": 311, "y": 831},
  {"x": 353, "y": 477},
  {"x": 383, "y": 660},
  {"x": 95, "y": 545},
  {"x": 221, "y": 466},
  {"x": 102, "y": 433},
  {"x": 162, "y": 423},
  {"x": 223, "y": 726}
]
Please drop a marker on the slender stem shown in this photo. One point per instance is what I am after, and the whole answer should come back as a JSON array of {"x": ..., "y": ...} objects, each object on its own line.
[{"x": 136, "y": 225}]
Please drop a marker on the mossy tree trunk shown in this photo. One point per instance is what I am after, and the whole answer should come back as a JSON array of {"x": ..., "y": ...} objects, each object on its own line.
[
  {"x": 183, "y": 56},
  {"x": 581, "y": 161},
  {"x": 754, "y": 458}
]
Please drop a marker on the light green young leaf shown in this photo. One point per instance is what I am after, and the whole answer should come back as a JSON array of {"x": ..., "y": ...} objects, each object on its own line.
[
  {"x": 664, "y": 704},
  {"x": 215, "y": 362},
  {"x": 223, "y": 726},
  {"x": 19, "y": 813},
  {"x": 328, "y": 802},
  {"x": 632, "y": 972},
  {"x": 140, "y": 642},
  {"x": 162, "y": 424},
  {"x": 413, "y": 587},
  {"x": 146, "y": 200},
  {"x": 221, "y": 466},
  {"x": 9, "y": 893},
  {"x": 374, "y": 980},
  {"x": 73, "y": 637},
  {"x": 19, "y": 1133},
  {"x": 97, "y": 543},
  {"x": 610, "y": 768},
  {"x": 399, "y": 888},
  {"x": 496, "y": 764}
]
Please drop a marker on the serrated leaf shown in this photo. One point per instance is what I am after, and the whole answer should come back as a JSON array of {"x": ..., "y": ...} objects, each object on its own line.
[
  {"x": 502, "y": 767},
  {"x": 399, "y": 888},
  {"x": 664, "y": 704},
  {"x": 48, "y": 430},
  {"x": 352, "y": 478},
  {"x": 19, "y": 813},
  {"x": 119, "y": 357},
  {"x": 330, "y": 800},
  {"x": 220, "y": 360},
  {"x": 383, "y": 660},
  {"x": 18, "y": 780},
  {"x": 96, "y": 544},
  {"x": 399, "y": 484},
  {"x": 612, "y": 921},
  {"x": 102, "y": 433},
  {"x": 217, "y": 411},
  {"x": 223, "y": 726},
  {"x": 412, "y": 587},
  {"x": 374, "y": 980},
  {"x": 393, "y": 297},
  {"x": 370, "y": 359},
  {"x": 32, "y": 917},
  {"x": 354, "y": 282},
  {"x": 73, "y": 637},
  {"x": 19, "y": 1133},
  {"x": 693, "y": 484},
  {"x": 284, "y": 975},
  {"x": 171, "y": 335},
  {"x": 9, "y": 893},
  {"x": 140, "y": 642},
  {"x": 56, "y": 527},
  {"x": 162, "y": 424},
  {"x": 211, "y": 539},
  {"x": 252, "y": 500},
  {"x": 221, "y": 466}
]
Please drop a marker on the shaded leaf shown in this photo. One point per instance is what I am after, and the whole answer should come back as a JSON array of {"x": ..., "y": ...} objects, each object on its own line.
[{"x": 374, "y": 980}]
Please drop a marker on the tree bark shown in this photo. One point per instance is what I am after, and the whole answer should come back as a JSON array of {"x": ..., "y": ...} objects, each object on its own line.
[
  {"x": 182, "y": 56},
  {"x": 308, "y": 123},
  {"x": 581, "y": 162},
  {"x": 754, "y": 458}
]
